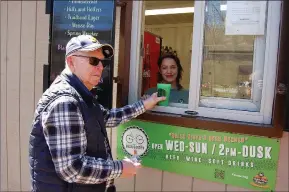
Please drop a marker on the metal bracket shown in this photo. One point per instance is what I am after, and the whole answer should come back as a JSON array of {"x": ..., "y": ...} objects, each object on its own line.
[
  {"x": 281, "y": 89},
  {"x": 116, "y": 79},
  {"x": 120, "y": 3}
]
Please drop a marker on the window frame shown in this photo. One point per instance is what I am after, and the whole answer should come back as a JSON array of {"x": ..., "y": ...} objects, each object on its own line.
[
  {"x": 273, "y": 130},
  {"x": 270, "y": 67}
]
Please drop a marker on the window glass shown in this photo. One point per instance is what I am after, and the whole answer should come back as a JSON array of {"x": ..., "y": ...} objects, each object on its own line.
[
  {"x": 232, "y": 69},
  {"x": 222, "y": 74},
  {"x": 167, "y": 42}
]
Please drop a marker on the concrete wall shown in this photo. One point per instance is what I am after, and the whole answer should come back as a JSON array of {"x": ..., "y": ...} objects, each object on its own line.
[{"x": 24, "y": 51}]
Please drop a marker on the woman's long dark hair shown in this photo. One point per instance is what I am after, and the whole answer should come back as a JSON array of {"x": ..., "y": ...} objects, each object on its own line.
[{"x": 179, "y": 66}]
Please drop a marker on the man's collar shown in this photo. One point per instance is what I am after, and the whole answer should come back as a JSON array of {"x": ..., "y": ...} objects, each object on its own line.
[{"x": 75, "y": 82}]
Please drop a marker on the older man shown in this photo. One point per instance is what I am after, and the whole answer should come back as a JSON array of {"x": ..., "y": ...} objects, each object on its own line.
[{"x": 69, "y": 148}]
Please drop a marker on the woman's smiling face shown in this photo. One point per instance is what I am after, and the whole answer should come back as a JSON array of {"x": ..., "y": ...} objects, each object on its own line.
[{"x": 169, "y": 70}]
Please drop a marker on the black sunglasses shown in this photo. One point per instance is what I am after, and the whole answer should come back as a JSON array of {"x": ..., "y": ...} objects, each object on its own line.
[{"x": 95, "y": 61}]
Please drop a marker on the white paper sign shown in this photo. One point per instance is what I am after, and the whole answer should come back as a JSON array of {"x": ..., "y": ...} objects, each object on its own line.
[{"x": 245, "y": 18}]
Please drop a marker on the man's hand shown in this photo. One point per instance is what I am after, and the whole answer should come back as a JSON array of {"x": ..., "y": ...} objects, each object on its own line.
[
  {"x": 129, "y": 168},
  {"x": 152, "y": 101},
  {"x": 144, "y": 97}
]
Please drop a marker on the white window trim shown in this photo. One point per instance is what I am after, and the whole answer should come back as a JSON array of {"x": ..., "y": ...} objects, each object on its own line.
[
  {"x": 271, "y": 59},
  {"x": 135, "y": 52},
  {"x": 258, "y": 62},
  {"x": 270, "y": 67}
]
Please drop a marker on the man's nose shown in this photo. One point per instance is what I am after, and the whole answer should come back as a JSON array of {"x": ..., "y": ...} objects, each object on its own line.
[{"x": 100, "y": 65}]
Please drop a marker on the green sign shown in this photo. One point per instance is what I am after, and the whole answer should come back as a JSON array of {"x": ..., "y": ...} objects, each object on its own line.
[{"x": 239, "y": 160}]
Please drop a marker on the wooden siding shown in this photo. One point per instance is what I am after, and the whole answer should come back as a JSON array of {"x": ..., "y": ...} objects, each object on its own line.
[{"x": 24, "y": 50}]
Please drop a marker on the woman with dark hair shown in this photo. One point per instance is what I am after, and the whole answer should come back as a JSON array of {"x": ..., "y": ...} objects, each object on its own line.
[{"x": 170, "y": 72}]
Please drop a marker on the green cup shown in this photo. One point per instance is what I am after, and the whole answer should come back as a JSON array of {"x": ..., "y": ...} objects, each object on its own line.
[{"x": 164, "y": 90}]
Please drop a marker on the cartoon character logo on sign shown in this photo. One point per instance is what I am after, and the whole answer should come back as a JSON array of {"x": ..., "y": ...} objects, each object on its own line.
[{"x": 135, "y": 141}]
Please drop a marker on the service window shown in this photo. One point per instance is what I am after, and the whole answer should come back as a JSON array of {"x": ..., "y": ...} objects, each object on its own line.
[{"x": 219, "y": 58}]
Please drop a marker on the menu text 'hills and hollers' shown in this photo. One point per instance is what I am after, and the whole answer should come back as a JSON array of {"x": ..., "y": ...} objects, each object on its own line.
[{"x": 74, "y": 13}]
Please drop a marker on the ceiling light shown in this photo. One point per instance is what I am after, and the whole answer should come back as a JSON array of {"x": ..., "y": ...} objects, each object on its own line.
[
  {"x": 169, "y": 11},
  {"x": 176, "y": 10}
]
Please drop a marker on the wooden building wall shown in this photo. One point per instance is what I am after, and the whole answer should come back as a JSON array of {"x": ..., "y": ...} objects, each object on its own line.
[{"x": 24, "y": 51}]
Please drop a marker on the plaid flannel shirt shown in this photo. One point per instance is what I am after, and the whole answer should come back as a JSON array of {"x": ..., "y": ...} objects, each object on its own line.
[{"x": 63, "y": 128}]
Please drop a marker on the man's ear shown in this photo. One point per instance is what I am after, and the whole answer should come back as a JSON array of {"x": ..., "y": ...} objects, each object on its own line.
[{"x": 70, "y": 63}]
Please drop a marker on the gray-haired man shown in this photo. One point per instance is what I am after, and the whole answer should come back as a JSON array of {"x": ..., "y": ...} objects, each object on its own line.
[{"x": 69, "y": 148}]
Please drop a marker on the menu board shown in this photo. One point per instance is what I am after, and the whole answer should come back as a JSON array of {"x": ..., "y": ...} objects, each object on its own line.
[{"x": 73, "y": 18}]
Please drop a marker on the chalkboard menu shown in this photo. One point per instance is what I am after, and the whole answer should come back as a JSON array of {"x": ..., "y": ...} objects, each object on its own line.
[{"x": 73, "y": 18}]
